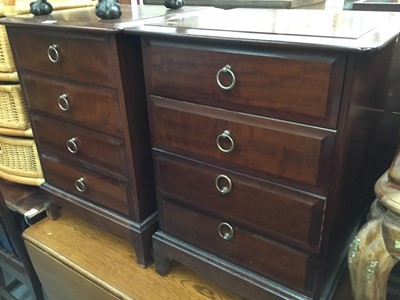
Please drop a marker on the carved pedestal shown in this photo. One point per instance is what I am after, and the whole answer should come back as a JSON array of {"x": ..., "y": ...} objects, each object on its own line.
[{"x": 376, "y": 248}]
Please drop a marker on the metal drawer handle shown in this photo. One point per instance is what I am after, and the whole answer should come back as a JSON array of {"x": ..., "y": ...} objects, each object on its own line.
[
  {"x": 225, "y": 189},
  {"x": 225, "y": 231},
  {"x": 63, "y": 102},
  {"x": 80, "y": 185},
  {"x": 223, "y": 136},
  {"x": 72, "y": 145},
  {"x": 226, "y": 69},
  {"x": 53, "y": 54}
]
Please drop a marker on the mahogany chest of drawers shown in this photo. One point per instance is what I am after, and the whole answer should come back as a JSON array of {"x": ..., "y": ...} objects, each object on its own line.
[
  {"x": 83, "y": 83},
  {"x": 260, "y": 132}
]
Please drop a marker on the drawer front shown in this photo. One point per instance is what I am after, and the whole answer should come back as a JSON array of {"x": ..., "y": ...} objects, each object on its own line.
[
  {"x": 294, "y": 154},
  {"x": 99, "y": 189},
  {"x": 88, "y": 105},
  {"x": 76, "y": 56},
  {"x": 101, "y": 151},
  {"x": 288, "y": 215},
  {"x": 299, "y": 87},
  {"x": 249, "y": 250}
]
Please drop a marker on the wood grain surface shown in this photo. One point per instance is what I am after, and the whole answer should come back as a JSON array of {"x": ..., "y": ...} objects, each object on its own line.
[{"x": 110, "y": 263}]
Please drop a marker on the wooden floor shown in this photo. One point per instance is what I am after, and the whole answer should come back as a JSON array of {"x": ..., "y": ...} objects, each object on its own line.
[{"x": 110, "y": 263}]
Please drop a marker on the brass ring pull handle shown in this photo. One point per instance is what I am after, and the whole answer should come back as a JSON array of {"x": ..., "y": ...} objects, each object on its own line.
[
  {"x": 225, "y": 189},
  {"x": 225, "y": 231},
  {"x": 72, "y": 145},
  {"x": 53, "y": 54},
  {"x": 226, "y": 69},
  {"x": 63, "y": 102},
  {"x": 80, "y": 185},
  {"x": 225, "y": 136}
]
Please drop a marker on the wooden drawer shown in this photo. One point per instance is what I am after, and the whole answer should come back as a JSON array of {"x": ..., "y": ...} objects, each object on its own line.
[
  {"x": 291, "y": 153},
  {"x": 88, "y": 105},
  {"x": 99, "y": 189},
  {"x": 302, "y": 87},
  {"x": 100, "y": 151},
  {"x": 260, "y": 255},
  {"x": 86, "y": 57},
  {"x": 289, "y": 215}
]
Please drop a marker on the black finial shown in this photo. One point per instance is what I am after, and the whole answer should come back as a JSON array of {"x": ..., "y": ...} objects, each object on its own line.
[
  {"x": 108, "y": 9},
  {"x": 40, "y": 7},
  {"x": 174, "y": 4}
]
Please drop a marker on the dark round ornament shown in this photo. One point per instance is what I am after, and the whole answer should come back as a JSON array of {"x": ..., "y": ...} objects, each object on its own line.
[
  {"x": 174, "y": 4},
  {"x": 108, "y": 9},
  {"x": 40, "y": 7}
]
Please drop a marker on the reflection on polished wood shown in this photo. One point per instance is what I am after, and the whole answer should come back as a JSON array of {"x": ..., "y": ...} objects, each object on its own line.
[
  {"x": 340, "y": 30},
  {"x": 85, "y": 18}
]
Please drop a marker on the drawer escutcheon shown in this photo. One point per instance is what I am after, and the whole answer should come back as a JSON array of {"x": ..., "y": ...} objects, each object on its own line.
[
  {"x": 63, "y": 102},
  {"x": 226, "y": 69},
  {"x": 225, "y": 230},
  {"x": 223, "y": 136},
  {"x": 80, "y": 185},
  {"x": 53, "y": 54},
  {"x": 225, "y": 189},
  {"x": 72, "y": 145}
]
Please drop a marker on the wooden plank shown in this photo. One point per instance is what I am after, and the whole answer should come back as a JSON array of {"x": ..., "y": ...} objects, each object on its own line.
[
  {"x": 21, "y": 198},
  {"x": 110, "y": 262},
  {"x": 61, "y": 289}
]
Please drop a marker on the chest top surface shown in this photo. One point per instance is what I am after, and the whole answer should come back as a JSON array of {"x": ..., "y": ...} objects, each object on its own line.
[
  {"x": 349, "y": 30},
  {"x": 86, "y": 19}
]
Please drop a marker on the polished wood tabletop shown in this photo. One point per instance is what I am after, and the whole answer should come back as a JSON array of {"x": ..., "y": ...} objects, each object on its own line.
[
  {"x": 109, "y": 262},
  {"x": 86, "y": 19},
  {"x": 352, "y": 30},
  {"x": 344, "y": 30}
]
